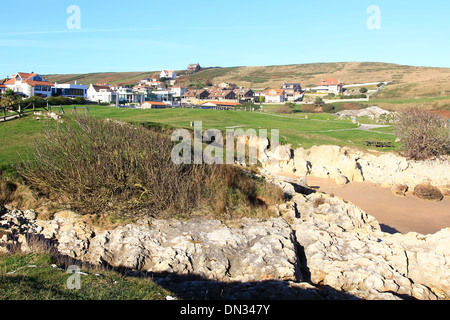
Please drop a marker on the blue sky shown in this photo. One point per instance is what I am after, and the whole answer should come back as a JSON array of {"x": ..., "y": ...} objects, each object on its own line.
[{"x": 147, "y": 35}]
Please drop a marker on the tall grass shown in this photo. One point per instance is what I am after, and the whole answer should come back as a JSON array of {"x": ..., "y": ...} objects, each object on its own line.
[{"x": 104, "y": 166}]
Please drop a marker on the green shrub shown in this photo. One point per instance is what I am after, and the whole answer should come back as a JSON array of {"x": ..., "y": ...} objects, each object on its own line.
[
  {"x": 79, "y": 100},
  {"x": 100, "y": 166},
  {"x": 329, "y": 108},
  {"x": 37, "y": 101}
]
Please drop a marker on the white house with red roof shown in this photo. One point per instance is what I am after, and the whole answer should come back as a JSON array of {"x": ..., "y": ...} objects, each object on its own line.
[
  {"x": 275, "y": 96},
  {"x": 29, "y": 84},
  {"x": 171, "y": 74},
  {"x": 330, "y": 85},
  {"x": 101, "y": 94},
  {"x": 153, "y": 105},
  {"x": 2, "y": 88}
]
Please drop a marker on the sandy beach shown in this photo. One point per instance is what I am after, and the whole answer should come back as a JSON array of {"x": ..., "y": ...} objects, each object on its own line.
[{"x": 395, "y": 214}]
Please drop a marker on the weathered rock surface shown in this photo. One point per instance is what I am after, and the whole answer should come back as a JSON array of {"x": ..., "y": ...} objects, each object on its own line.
[
  {"x": 321, "y": 247},
  {"x": 338, "y": 163},
  {"x": 345, "y": 249}
]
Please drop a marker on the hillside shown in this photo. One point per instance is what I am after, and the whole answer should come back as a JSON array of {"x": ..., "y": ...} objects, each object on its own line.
[
  {"x": 412, "y": 85},
  {"x": 120, "y": 78}
]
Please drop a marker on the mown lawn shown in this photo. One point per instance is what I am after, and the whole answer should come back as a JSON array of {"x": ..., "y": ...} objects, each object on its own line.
[{"x": 18, "y": 136}]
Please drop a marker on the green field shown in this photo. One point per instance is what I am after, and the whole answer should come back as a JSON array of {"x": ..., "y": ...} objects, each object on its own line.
[
  {"x": 18, "y": 135},
  {"x": 34, "y": 276}
]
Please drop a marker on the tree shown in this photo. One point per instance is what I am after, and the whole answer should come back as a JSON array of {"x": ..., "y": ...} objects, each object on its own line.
[
  {"x": 7, "y": 98},
  {"x": 319, "y": 103},
  {"x": 422, "y": 133},
  {"x": 363, "y": 90}
]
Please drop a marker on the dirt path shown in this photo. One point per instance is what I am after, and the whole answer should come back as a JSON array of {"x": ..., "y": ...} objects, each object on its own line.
[{"x": 395, "y": 214}]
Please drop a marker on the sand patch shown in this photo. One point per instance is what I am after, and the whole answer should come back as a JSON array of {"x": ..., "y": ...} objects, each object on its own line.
[{"x": 395, "y": 214}]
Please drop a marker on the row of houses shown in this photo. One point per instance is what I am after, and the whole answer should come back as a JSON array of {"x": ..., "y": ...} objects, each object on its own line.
[
  {"x": 224, "y": 92},
  {"x": 33, "y": 84}
]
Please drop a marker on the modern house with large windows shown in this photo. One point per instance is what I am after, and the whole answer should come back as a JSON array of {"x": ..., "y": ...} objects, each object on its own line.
[{"x": 70, "y": 90}]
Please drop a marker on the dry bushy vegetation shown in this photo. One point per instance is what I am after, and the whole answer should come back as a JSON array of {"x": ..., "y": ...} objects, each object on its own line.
[
  {"x": 423, "y": 134},
  {"x": 100, "y": 166},
  {"x": 7, "y": 190}
]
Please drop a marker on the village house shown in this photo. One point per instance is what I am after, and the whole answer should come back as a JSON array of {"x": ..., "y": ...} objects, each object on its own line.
[
  {"x": 170, "y": 74},
  {"x": 101, "y": 94},
  {"x": 2, "y": 88},
  {"x": 165, "y": 96},
  {"x": 225, "y": 85},
  {"x": 330, "y": 85},
  {"x": 194, "y": 68},
  {"x": 144, "y": 89},
  {"x": 178, "y": 92},
  {"x": 147, "y": 81},
  {"x": 70, "y": 90},
  {"x": 195, "y": 96},
  {"x": 29, "y": 84},
  {"x": 153, "y": 105},
  {"x": 244, "y": 93},
  {"x": 293, "y": 91},
  {"x": 275, "y": 96},
  {"x": 199, "y": 94},
  {"x": 127, "y": 95},
  {"x": 220, "y": 94}
]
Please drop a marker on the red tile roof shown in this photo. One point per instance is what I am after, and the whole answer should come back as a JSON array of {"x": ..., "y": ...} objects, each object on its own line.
[
  {"x": 10, "y": 81},
  {"x": 39, "y": 83},
  {"x": 274, "y": 92},
  {"x": 155, "y": 103},
  {"x": 27, "y": 79},
  {"x": 329, "y": 82}
]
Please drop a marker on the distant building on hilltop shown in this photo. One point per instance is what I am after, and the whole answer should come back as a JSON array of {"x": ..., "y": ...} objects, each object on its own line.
[{"x": 194, "y": 67}]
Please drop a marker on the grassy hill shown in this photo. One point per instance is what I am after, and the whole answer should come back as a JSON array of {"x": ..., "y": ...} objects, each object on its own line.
[
  {"x": 120, "y": 78},
  {"x": 421, "y": 86}
]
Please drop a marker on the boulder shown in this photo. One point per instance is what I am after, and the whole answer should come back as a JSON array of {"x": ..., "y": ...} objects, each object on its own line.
[
  {"x": 427, "y": 192},
  {"x": 399, "y": 190}
]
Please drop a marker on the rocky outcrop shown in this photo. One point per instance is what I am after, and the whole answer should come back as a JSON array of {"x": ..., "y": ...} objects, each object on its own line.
[
  {"x": 257, "y": 250},
  {"x": 345, "y": 249},
  {"x": 371, "y": 112},
  {"x": 320, "y": 247},
  {"x": 344, "y": 165}
]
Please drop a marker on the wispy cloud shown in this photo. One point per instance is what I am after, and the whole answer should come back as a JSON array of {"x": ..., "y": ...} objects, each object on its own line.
[
  {"x": 162, "y": 28},
  {"x": 37, "y": 32}
]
